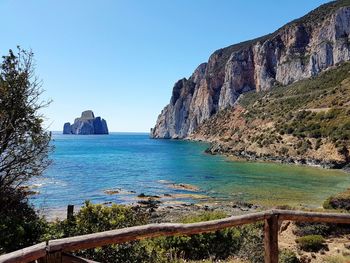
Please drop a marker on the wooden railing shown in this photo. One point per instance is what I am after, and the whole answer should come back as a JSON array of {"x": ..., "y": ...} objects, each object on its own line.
[{"x": 56, "y": 250}]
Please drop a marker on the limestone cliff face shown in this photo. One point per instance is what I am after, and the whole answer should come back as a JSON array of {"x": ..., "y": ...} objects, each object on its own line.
[
  {"x": 299, "y": 50},
  {"x": 86, "y": 124}
]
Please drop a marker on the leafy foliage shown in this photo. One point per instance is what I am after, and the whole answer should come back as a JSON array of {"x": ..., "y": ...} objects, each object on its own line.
[
  {"x": 339, "y": 201},
  {"x": 303, "y": 229},
  {"x": 24, "y": 144},
  {"x": 96, "y": 218},
  {"x": 24, "y": 148},
  {"x": 312, "y": 243},
  {"x": 20, "y": 226},
  {"x": 287, "y": 256},
  {"x": 217, "y": 245},
  {"x": 245, "y": 242}
]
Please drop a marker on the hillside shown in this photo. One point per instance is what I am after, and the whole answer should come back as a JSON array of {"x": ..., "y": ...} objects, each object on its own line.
[
  {"x": 305, "y": 122},
  {"x": 301, "y": 49}
]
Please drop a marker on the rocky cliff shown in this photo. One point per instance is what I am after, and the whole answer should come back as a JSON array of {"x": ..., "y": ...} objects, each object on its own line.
[
  {"x": 86, "y": 124},
  {"x": 307, "y": 122},
  {"x": 299, "y": 50}
]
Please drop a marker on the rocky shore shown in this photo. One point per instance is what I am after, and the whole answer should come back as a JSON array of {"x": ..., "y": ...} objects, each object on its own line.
[
  {"x": 216, "y": 148},
  {"x": 283, "y": 97},
  {"x": 172, "y": 213},
  {"x": 182, "y": 199},
  {"x": 160, "y": 211}
]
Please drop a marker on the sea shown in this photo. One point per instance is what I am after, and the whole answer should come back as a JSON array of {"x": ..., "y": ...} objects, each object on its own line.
[{"x": 120, "y": 166}]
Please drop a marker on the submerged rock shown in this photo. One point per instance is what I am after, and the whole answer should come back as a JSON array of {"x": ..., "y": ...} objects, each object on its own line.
[{"x": 86, "y": 124}]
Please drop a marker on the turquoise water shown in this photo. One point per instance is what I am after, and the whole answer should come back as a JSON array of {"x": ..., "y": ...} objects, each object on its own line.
[{"x": 84, "y": 166}]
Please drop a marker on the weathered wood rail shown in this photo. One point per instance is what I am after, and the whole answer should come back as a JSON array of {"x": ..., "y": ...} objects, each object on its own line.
[{"x": 56, "y": 250}]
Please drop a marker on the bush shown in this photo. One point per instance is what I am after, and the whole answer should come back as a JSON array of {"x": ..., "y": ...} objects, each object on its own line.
[
  {"x": 287, "y": 256},
  {"x": 252, "y": 244},
  {"x": 96, "y": 218},
  {"x": 323, "y": 229},
  {"x": 246, "y": 242},
  {"x": 339, "y": 201},
  {"x": 20, "y": 226},
  {"x": 304, "y": 229},
  {"x": 217, "y": 245},
  {"x": 311, "y": 243},
  {"x": 327, "y": 203}
]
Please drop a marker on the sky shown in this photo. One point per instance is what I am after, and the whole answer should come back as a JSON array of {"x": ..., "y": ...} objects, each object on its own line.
[{"x": 121, "y": 58}]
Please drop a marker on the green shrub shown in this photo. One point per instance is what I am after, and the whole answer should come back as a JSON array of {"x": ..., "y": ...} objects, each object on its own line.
[
  {"x": 327, "y": 203},
  {"x": 311, "y": 243},
  {"x": 251, "y": 243},
  {"x": 304, "y": 229},
  {"x": 20, "y": 226},
  {"x": 217, "y": 245},
  {"x": 246, "y": 242},
  {"x": 339, "y": 201},
  {"x": 96, "y": 218},
  {"x": 287, "y": 256}
]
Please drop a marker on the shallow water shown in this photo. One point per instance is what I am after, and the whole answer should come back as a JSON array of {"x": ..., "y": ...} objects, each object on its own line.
[{"x": 84, "y": 166}]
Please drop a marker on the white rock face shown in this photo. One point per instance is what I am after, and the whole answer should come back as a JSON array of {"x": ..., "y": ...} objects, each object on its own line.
[{"x": 299, "y": 50}]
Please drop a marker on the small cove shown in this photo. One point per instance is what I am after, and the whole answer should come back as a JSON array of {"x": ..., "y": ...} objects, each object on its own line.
[{"x": 84, "y": 167}]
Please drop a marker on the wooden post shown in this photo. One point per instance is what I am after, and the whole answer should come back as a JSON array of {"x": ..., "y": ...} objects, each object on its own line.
[
  {"x": 68, "y": 258},
  {"x": 70, "y": 211},
  {"x": 55, "y": 257},
  {"x": 271, "y": 239}
]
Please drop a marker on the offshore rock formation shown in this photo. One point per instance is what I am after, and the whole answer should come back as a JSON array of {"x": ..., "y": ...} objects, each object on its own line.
[
  {"x": 299, "y": 50},
  {"x": 86, "y": 124}
]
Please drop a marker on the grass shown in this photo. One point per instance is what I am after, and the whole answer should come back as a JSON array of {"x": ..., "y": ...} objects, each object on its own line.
[
  {"x": 336, "y": 259},
  {"x": 311, "y": 243}
]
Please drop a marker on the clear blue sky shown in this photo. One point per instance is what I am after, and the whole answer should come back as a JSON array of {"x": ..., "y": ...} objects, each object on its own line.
[{"x": 121, "y": 58}]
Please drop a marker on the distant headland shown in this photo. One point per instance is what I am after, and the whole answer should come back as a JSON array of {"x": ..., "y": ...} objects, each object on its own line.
[{"x": 86, "y": 124}]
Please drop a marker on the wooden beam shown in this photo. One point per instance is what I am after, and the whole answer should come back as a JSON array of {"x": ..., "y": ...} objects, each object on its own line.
[
  {"x": 152, "y": 230},
  {"x": 27, "y": 254},
  {"x": 301, "y": 216},
  {"x": 271, "y": 239}
]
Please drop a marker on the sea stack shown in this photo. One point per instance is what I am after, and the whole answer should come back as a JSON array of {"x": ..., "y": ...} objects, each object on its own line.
[{"x": 86, "y": 124}]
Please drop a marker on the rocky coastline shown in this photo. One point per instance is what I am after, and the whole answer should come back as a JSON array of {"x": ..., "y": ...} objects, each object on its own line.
[
  {"x": 160, "y": 212},
  {"x": 181, "y": 199},
  {"x": 281, "y": 98},
  {"x": 216, "y": 148}
]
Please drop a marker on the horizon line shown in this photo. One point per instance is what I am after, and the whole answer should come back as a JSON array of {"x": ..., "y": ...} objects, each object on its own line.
[{"x": 112, "y": 132}]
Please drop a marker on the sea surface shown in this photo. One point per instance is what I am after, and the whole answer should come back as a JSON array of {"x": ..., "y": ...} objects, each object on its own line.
[{"x": 85, "y": 166}]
